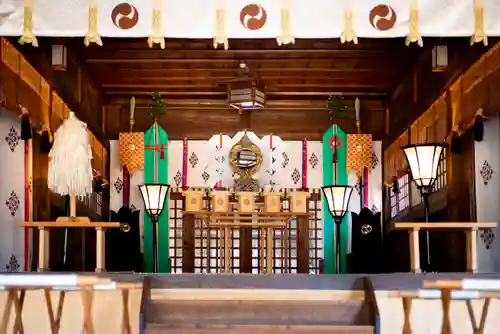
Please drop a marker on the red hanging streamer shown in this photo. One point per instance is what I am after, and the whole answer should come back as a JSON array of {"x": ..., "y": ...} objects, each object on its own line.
[
  {"x": 184, "y": 163},
  {"x": 27, "y": 203},
  {"x": 365, "y": 186},
  {"x": 304, "y": 164}
]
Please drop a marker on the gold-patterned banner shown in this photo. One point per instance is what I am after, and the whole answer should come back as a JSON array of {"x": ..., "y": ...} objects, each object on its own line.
[
  {"x": 132, "y": 150},
  {"x": 359, "y": 152}
]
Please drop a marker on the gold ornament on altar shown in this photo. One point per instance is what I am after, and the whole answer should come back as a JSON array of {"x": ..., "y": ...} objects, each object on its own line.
[
  {"x": 245, "y": 159},
  {"x": 132, "y": 150},
  {"x": 359, "y": 152}
]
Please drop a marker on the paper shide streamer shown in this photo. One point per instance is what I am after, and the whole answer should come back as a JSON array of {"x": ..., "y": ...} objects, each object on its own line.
[
  {"x": 414, "y": 33},
  {"x": 28, "y": 37},
  {"x": 156, "y": 36},
  {"x": 285, "y": 36},
  {"x": 92, "y": 36},
  {"x": 220, "y": 37},
  {"x": 26, "y": 133},
  {"x": 479, "y": 34},
  {"x": 348, "y": 34}
]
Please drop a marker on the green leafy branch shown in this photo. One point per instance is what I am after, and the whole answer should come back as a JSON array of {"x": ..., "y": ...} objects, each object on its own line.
[
  {"x": 157, "y": 105},
  {"x": 337, "y": 108}
]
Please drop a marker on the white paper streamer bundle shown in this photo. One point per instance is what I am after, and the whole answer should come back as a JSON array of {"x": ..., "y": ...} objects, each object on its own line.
[
  {"x": 28, "y": 37},
  {"x": 285, "y": 36},
  {"x": 414, "y": 33},
  {"x": 479, "y": 34},
  {"x": 70, "y": 167}
]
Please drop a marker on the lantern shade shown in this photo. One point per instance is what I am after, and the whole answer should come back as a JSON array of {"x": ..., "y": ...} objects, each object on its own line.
[
  {"x": 338, "y": 198},
  {"x": 154, "y": 196},
  {"x": 423, "y": 160},
  {"x": 246, "y": 98}
]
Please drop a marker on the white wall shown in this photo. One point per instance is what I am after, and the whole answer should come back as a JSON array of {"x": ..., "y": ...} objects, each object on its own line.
[
  {"x": 487, "y": 181},
  {"x": 12, "y": 192}
]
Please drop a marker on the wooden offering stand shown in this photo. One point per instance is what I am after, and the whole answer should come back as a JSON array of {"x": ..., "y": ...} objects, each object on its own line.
[
  {"x": 222, "y": 218},
  {"x": 71, "y": 222},
  {"x": 466, "y": 290},
  {"x": 17, "y": 285},
  {"x": 470, "y": 230}
]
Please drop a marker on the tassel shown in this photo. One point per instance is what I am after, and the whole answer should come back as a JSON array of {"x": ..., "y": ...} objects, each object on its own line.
[
  {"x": 334, "y": 156},
  {"x": 156, "y": 36},
  {"x": 28, "y": 36},
  {"x": 92, "y": 35},
  {"x": 3, "y": 98},
  {"x": 478, "y": 131},
  {"x": 285, "y": 36},
  {"x": 70, "y": 168},
  {"x": 395, "y": 186},
  {"x": 455, "y": 144},
  {"x": 220, "y": 26},
  {"x": 97, "y": 184},
  {"x": 414, "y": 33},
  {"x": 162, "y": 154},
  {"x": 26, "y": 133},
  {"x": 479, "y": 34},
  {"x": 45, "y": 141},
  {"x": 348, "y": 34}
]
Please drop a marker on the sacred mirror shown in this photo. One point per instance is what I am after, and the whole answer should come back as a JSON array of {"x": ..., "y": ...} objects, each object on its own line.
[{"x": 245, "y": 159}]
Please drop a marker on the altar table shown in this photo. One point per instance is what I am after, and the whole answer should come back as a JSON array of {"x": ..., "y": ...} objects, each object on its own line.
[
  {"x": 470, "y": 230},
  {"x": 65, "y": 222},
  {"x": 266, "y": 222}
]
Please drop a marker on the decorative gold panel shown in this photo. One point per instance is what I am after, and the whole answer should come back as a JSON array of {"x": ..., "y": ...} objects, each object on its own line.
[
  {"x": 132, "y": 150},
  {"x": 298, "y": 201},
  {"x": 359, "y": 152},
  {"x": 246, "y": 201},
  {"x": 220, "y": 201},
  {"x": 272, "y": 201},
  {"x": 194, "y": 200}
]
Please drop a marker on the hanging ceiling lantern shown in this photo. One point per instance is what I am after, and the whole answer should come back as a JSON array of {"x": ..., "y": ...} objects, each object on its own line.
[
  {"x": 439, "y": 58},
  {"x": 249, "y": 97}
]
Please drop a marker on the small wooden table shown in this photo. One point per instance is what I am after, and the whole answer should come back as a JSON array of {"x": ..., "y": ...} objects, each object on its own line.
[
  {"x": 67, "y": 222},
  {"x": 266, "y": 222},
  {"x": 85, "y": 284},
  {"x": 470, "y": 230}
]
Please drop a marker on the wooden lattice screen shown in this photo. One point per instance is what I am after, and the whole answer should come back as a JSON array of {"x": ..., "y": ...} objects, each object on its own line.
[{"x": 207, "y": 248}]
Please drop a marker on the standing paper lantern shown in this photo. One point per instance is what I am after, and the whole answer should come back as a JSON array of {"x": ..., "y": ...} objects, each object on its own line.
[{"x": 338, "y": 198}]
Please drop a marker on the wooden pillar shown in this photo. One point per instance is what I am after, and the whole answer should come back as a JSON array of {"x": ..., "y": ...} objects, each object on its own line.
[
  {"x": 303, "y": 244},
  {"x": 246, "y": 249},
  {"x": 461, "y": 200},
  {"x": 41, "y": 194},
  {"x": 188, "y": 243}
]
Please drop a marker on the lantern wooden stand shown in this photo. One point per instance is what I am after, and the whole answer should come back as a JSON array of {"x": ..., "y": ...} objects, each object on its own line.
[
  {"x": 72, "y": 222},
  {"x": 272, "y": 203},
  {"x": 220, "y": 203}
]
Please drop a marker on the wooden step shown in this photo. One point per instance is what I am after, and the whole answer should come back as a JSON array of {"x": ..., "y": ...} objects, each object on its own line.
[
  {"x": 284, "y": 312},
  {"x": 252, "y": 329}
]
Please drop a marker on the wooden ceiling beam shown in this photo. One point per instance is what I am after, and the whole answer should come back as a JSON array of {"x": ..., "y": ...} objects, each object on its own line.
[
  {"x": 142, "y": 101},
  {"x": 194, "y": 93},
  {"x": 325, "y": 79},
  {"x": 165, "y": 72},
  {"x": 246, "y": 53},
  {"x": 236, "y": 62},
  {"x": 220, "y": 86}
]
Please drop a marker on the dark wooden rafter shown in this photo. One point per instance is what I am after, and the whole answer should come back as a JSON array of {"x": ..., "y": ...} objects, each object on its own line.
[
  {"x": 75, "y": 86},
  {"x": 420, "y": 86}
]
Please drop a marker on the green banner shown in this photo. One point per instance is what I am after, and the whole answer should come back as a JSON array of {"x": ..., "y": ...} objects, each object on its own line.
[
  {"x": 334, "y": 174},
  {"x": 161, "y": 161}
]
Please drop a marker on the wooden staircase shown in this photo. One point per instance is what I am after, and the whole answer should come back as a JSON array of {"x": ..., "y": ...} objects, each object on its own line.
[{"x": 242, "y": 315}]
